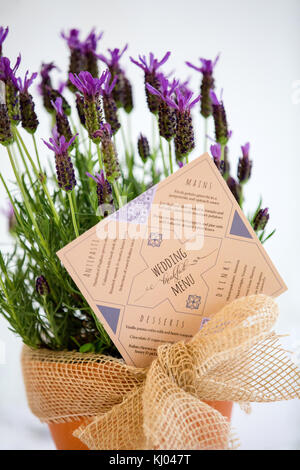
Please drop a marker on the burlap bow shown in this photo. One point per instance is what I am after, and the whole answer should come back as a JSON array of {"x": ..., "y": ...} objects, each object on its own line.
[{"x": 234, "y": 357}]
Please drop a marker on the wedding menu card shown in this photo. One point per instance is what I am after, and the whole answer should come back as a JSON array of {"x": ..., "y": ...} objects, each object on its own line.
[{"x": 159, "y": 268}]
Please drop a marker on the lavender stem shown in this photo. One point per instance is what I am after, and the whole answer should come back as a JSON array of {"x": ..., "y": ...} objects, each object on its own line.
[
  {"x": 205, "y": 134},
  {"x": 170, "y": 157},
  {"x": 73, "y": 213}
]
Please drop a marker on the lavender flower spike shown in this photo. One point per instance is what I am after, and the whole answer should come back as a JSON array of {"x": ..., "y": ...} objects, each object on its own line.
[
  {"x": 104, "y": 193},
  {"x": 7, "y": 75},
  {"x": 48, "y": 92},
  {"x": 62, "y": 123},
  {"x": 42, "y": 286},
  {"x": 184, "y": 138},
  {"x": 220, "y": 120},
  {"x": 151, "y": 77},
  {"x": 216, "y": 151},
  {"x": 91, "y": 88},
  {"x": 83, "y": 54},
  {"x": 143, "y": 148},
  {"x": 29, "y": 118},
  {"x": 109, "y": 105},
  {"x": 261, "y": 219},
  {"x": 235, "y": 188},
  {"x": 64, "y": 166},
  {"x": 122, "y": 91},
  {"x": 6, "y": 136},
  {"x": 244, "y": 165},
  {"x": 109, "y": 152},
  {"x": 3, "y": 34},
  {"x": 89, "y": 47},
  {"x": 166, "y": 113},
  {"x": 207, "y": 83},
  {"x": 77, "y": 60}
]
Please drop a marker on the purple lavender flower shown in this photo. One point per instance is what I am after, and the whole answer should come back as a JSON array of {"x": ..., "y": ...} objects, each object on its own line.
[
  {"x": 122, "y": 91},
  {"x": 62, "y": 123},
  {"x": 45, "y": 87},
  {"x": 166, "y": 88},
  {"x": 72, "y": 39},
  {"x": 6, "y": 72},
  {"x": 77, "y": 60},
  {"x": 104, "y": 193},
  {"x": 58, "y": 144},
  {"x": 45, "y": 72},
  {"x": 207, "y": 83},
  {"x": 64, "y": 166},
  {"x": 91, "y": 88},
  {"x": 11, "y": 218},
  {"x": 83, "y": 54},
  {"x": 184, "y": 138},
  {"x": 244, "y": 165},
  {"x": 89, "y": 47},
  {"x": 216, "y": 151},
  {"x": 166, "y": 113},
  {"x": 3, "y": 34},
  {"x": 27, "y": 82},
  {"x": 235, "y": 188},
  {"x": 61, "y": 86},
  {"x": 29, "y": 118},
  {"x": 113, "y": 61},
  {"x": 109, "y": 152},
  {"x": 154, "y": 64},
  {"x": 7, "y": 75},
  {"x": 245, "y": 150},
  {"x": 151, "y": 77},
  {"x": 109, "y": 104},
  {"x": 42, "y": 286},
  {"x": 182, "y": 103},
  {"x": 6, "y": 136},
  {"x": 143, "y": 147},
  {"x": 184, "y": 87},
  {"x": 47, "y": 91},
  {"x": 261, "y": 219},
  {"x": 220, "y": 120}
]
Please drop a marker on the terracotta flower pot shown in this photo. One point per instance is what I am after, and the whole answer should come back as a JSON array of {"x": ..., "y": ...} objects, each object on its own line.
[
  {"x": 62, "y": 434},
  {"x": 71, "y": 384}
]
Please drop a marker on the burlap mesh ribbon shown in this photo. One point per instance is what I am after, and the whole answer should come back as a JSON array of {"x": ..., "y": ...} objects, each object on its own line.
[{"x": 234, "y": 357}]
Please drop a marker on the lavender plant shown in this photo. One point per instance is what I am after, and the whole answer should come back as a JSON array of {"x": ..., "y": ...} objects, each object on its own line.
[{"x": 92, "y": 171}]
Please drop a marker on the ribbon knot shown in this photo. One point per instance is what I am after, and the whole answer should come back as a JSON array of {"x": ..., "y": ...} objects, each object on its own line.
[
  {"x": 177, "y": 362},
  {"x": 234, "y": 357}
]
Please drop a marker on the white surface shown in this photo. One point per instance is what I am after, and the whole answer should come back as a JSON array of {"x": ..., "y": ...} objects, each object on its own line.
[{"x": 259, "y": 71}]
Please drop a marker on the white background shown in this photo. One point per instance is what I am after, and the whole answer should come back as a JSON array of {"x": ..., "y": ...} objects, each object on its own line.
[{"x": 259, "y": 70}]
